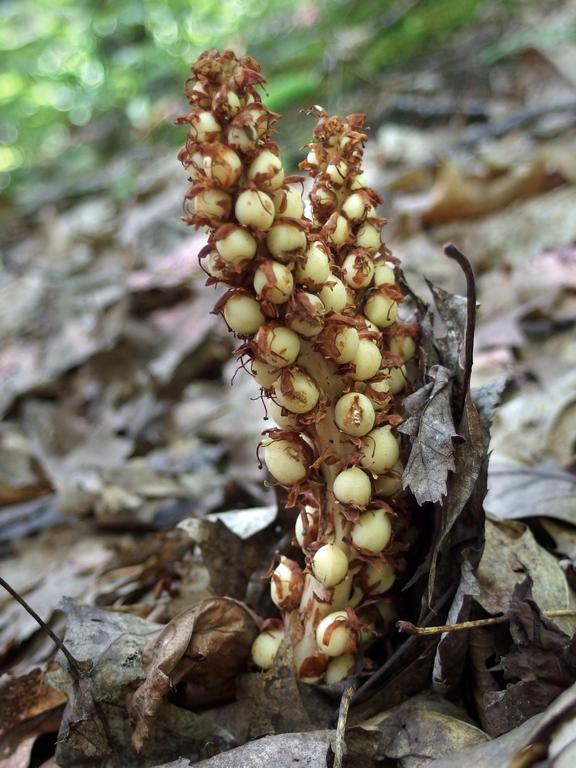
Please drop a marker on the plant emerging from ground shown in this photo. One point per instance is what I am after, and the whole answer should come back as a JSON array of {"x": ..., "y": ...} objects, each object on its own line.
[{"x": 314, "y": 298}]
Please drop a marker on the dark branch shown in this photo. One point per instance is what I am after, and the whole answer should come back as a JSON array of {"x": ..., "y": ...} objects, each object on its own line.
[
  {"x": 453, "y": 253},
  {"x": 74, "y": 666}
]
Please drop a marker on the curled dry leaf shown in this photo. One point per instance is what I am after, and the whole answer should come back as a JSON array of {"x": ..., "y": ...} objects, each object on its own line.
[
  {"x": 95, "y": 728},
  {"x": 454, "y": 196},
  {"x": 206, "y": 647}
]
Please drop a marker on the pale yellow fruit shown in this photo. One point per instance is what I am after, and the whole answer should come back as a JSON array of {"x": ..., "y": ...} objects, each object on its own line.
[
  {"x": 273, "y": 282},
  {"x": 380, "y": 450},
  {"x": 372, "y": 531},
  {"x": 254, "y": 209},
  {"x": 354, "y": 414},
  {"x": 352, "y": 486},
  {"x": 329, "y": 565},
  {"x": 277, "y": 345},
  {"x": 286, "y": 460},
  {"x": 243, "y": 314}
]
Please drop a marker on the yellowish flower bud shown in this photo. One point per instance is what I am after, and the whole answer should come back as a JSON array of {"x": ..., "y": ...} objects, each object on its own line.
[
  {"x": 380, "y": 450},
  {"x": 329, "y": 565},
  {"x": 334, "y": 634},
  {"x": 367, "y": 360},
  {"x": 352, "y": 486},
  {"x": 254, "y": 209},
  {"x": 296, "y": 390},
  {"x": 273, "y": 282},
  {"x": 286, "y": 460},
  {"x": 265, "y": 647},
  {"x": 243, "y": 314},
  {"x": 372, "y": 531},
  {"x": 354, "y": 414},
  {"x": 286, "y": 241},
  {"x": 277, "y": 345}
]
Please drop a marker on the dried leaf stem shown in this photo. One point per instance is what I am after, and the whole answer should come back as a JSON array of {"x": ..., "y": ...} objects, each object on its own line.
[{"x": 411, "y": 629}]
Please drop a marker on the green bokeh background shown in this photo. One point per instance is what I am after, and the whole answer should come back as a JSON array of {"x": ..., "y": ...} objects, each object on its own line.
[{"x": 84, "y": 81}]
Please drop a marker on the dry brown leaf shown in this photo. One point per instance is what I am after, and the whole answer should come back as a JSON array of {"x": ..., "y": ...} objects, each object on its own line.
[
  {"x": 29, "y": 708},
  {"x": 205, "y": 647},
  {"x": 454, "y": 196}
]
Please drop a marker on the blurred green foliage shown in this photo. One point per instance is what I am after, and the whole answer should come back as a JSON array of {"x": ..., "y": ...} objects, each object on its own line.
[{"x": 85, "y": 80}]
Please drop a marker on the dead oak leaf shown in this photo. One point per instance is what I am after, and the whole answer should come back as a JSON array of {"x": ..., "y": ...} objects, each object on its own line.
[
  {"x": 206, "y": 646},
  {"x": 430, "y": 426}
]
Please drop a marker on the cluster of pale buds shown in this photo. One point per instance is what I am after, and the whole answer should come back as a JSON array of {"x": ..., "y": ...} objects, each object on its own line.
[{"x": 316, "y": 305}]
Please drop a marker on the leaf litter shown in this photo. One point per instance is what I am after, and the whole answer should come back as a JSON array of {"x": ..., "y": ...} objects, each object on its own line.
[{"x": 124, "y": 487}]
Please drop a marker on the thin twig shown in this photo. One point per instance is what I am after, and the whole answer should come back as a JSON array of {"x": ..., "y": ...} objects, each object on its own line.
[
  {"x": 74, "y": 665},
  {"x": 412, "y": 629},
  {"x": 452, "y": 252},
  {"x": 340, "y": 739}
]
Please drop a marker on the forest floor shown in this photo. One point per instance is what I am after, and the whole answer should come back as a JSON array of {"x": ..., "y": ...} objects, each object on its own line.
[{"x": 129, "y": 485}]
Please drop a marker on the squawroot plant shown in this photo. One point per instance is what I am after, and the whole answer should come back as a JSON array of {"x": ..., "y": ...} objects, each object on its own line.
[{"x": 315, "y": 302}]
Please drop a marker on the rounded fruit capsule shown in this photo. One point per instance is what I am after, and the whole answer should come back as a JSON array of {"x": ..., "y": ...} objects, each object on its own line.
[
  {"x": 381, "y": 309},
  {"x": 372, "y": 531},
  {"x": 379, "y": 450},
  {"x": 391, "y": 483},
  {"x": 243, "y": 314},
  {"x": 266, "y": 171},
  {"x": 277, "y": 345},
  {"x": 286, "y": 241},
  {"x": 255, "y": 209},
  {"x": 296, "y": 390},
  {"x": 377, "y": 577},
  {"x": 287, "y": 460},
  {"x": 265, "y": 647},
  {"x": 329, "y": 565},
  {"x": 334, "y": 634},
  {"x": 236, "y": 246},
  {"x": 314, "y": 268},
  {"x": 353, "y": 486},
  {"x": 368, "y": 237},
  {"x": 286, "y": 584},
  {"x": 340, "y": 668},
  {"x": 354, "y": 414},
  {"x": 367, "y": 360},
  {"x": 358, "y": 270},
  {"x": 334, "y": 294},
  {"x": 273, "y": 282}
]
